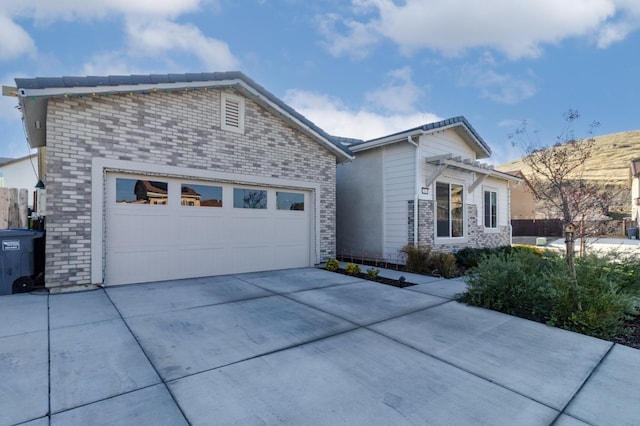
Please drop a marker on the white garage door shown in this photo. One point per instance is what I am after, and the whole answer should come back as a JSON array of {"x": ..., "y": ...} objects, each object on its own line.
[{"x": 166, "y": 228}]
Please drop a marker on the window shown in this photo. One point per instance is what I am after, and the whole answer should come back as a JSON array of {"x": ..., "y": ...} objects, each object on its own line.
[
  {"x": 289, "y": 201},
  {"x": 490, "y": 209},
  {"x": 232, "y": 113},
  {"x": 135, "y": 191},
  {"x": 249, "y": 198},
  {"x": 201, "y": 195},
  {"x": 450, "y": 214}
]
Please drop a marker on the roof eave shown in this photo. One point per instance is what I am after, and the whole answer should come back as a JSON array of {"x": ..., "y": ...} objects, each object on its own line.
[{"x": 35, "y": 110}]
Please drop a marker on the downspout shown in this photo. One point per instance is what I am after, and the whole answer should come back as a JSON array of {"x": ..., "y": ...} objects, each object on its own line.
[{"x": 415, "y": 190}]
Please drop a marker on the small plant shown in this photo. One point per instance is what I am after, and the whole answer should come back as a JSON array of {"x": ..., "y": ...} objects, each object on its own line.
[
  {"x": 444, "y": 264},
  {"x": 417, "y": 258},
  {"x": 352, "y": 269},
  {"x": 372, "y": 273},
  {"x": 332, "y": 265}
]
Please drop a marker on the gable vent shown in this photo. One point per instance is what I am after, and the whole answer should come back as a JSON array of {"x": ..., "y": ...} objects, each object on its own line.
[{"x": 232, "y": 113}]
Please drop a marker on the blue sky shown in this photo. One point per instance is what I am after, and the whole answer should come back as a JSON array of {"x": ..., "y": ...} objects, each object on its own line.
[{"x": 359, "y": 68}]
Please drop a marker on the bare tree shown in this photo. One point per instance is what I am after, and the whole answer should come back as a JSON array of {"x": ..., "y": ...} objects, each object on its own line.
[{"x": 557, "y": 175}]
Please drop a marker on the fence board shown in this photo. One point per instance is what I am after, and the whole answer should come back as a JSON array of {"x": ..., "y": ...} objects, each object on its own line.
[
  {"x": 4, "y": 208},
  {"x": 14, "y": 205}
]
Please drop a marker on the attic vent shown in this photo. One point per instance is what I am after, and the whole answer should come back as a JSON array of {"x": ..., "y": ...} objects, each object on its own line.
[{"x": 232, "y": 113}]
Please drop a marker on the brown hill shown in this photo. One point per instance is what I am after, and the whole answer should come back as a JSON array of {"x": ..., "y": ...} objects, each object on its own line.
[{"x": 610, "y": 162}]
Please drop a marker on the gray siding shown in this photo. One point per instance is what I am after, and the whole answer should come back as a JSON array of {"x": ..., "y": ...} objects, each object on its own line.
[{"x": 359, "y": 198}]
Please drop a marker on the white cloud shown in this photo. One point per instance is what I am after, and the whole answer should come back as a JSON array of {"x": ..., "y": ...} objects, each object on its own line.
[
  {"x": 503, "y": 88},
  {"x": 160, "y": 37},
  {"x": 16, "y": 41},
  {"x": 334, "y": 117},
  {"x": 399, "y": 95},
  {"x": 517, "y": 29},
  {"x": 50, "y": 11},
  {"x": 355, "y": 43}
]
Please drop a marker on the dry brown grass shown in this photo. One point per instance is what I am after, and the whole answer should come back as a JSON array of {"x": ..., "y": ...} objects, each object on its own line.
[{"x": 610, "y": 162}]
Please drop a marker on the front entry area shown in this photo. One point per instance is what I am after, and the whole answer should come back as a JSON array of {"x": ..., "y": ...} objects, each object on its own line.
[{"x": 161, "y": 228}]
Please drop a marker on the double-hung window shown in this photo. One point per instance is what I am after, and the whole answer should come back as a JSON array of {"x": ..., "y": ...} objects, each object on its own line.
[
  {"x": 490, "y": 209},
  {"x": 450, "y": 210}
]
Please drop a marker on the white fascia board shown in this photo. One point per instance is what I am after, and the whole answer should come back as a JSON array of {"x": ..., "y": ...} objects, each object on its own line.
[
  {"x": 397, "y": 138},
  {"x": 128, "y": 88}
]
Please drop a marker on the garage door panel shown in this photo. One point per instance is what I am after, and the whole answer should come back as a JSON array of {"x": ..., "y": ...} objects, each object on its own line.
[
  {"x": 135, "y": 266},
  {"x": 183, "y": 239},
  {"x": 202, "y": 261},
  {"x": 137, "y": 227}
]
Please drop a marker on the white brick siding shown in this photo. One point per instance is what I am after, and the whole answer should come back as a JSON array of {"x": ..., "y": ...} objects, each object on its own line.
[{"x": 179, "y": 129}]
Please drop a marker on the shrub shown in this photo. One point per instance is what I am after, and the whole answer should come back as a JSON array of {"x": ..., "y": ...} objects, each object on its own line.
[
  {"x": 372, "y": 273},
  {"x": 352, "y": 269},
  {"x": 516, "y": 284},
  {"x": 443, "y": 264},
  {"x": 417, "y": 258},
  {"x": 470, "y": 257},
  {"x": 332, "y": 265},
  {"x": 538, "y": 287}
]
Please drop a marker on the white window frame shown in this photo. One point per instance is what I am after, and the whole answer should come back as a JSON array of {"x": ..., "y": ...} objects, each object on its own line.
[
  {"x": 484, "y": 209},
  {"x": 225, "y": 100},
  {"x": 449, "y": 238}
]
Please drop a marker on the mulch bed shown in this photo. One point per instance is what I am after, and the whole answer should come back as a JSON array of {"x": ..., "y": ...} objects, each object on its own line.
[
  {"x": 378, "y": 279},
  {"x": 633, "y": 338}
]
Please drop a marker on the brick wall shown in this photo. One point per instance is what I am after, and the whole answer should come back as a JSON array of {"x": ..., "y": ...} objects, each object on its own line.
[
  {"x": 476, "y": 235},
  {"x": 180, "y": 129}
]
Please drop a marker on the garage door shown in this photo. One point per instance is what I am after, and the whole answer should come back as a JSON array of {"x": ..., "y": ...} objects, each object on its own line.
[{"x": 166, "y": 228}]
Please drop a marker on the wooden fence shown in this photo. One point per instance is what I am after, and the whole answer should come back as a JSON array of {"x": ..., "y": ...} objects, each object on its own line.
[{"x": 14, "y": 208}]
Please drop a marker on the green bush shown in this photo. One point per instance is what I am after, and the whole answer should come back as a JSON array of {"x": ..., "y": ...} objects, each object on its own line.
[
  {"x": 332, "y": 265},
  {"x": 443, "y": 264},
  {"x": 352, "y": 269},
  {"x": 417, "y": 258},
  {"x": 538, "y": 287},
  {"x": 470, "y": 257},
  {"x": 372, "y": 273}
]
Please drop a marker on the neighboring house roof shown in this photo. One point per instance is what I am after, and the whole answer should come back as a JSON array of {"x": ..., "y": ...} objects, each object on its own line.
[
  {"x": 6, "y": 161},
  {"x": 38, "y": 90},
  {"x": 460, "y": 124}
]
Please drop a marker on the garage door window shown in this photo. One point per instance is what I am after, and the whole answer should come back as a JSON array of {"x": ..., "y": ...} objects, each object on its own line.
[
  {"x": 249, "y": 198},
  {"x": 201, "y": 195},
  {"x": 136, "y": 191},
  {"x": 290, "y": 201}
]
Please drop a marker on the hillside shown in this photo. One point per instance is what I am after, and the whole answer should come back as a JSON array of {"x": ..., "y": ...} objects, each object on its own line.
[{"x": 609, "y": 163}]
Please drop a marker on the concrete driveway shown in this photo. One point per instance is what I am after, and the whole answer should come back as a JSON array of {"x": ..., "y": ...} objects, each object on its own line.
[{"x": 301, "y": 346}]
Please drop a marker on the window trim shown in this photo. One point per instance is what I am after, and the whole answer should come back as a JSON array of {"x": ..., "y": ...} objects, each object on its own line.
[
  {"x": 225, "y": 100},
  {"x": 449, "y": 238},
  {"x": 496, "y": 225}
]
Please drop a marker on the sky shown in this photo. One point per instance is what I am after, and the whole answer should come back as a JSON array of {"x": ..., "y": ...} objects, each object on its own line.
[{"x": 356, "y": 68}]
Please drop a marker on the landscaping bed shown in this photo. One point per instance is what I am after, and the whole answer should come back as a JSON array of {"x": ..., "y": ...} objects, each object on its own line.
[
  {"x": 631, "y": 339},
  {"x": 377, "y": 279}
]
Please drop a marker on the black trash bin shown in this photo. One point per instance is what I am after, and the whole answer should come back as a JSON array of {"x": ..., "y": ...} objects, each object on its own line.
[
  {"x": 17, "y": 260},
  {"x": 632, "y": 233}
]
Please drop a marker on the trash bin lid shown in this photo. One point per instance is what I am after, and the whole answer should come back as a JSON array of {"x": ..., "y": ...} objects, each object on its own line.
[{"x": 13, "y": 233}]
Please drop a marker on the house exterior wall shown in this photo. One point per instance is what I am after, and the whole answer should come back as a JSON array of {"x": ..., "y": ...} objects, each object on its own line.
[
  {"x": 360, "y": 203},
  {"x": 523, "y": 203},
  {"x": 476, "y": 235},
  {"x": 20, "y": 174},
  {"x": 635, "y": 198},
  {"x": 399, "y": 187},
  {"x": 177, "y": 130}
]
